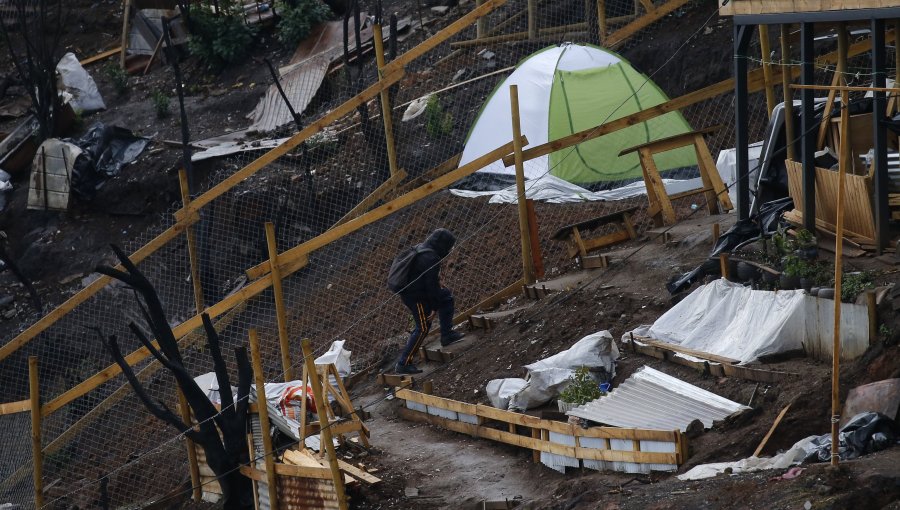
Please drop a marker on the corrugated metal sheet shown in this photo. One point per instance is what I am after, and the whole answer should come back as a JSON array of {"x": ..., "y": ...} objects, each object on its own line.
[{"x": 650, "y": 399}]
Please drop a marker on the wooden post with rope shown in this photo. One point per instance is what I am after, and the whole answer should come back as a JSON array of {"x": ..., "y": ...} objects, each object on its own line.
[
  {"x": 280, "y": 309},
  {"x": 524, "y": 229},
  {"x": 838, "y": 253}
]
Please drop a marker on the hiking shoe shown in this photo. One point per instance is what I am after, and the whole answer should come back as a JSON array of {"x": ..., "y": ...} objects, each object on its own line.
[
  {"x": 407, "y": 369},
  {"x": 453, "y": 337}
]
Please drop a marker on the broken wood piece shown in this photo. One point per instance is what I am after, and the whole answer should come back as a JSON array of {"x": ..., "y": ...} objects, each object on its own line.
[
  {"x": 685, "y": 350},
  {"x": 765, "y": 440}
]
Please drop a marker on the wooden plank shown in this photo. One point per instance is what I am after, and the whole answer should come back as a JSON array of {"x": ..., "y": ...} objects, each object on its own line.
[
  {"x": 265, "y": 427},
  {"x": 712, "y": 174},
  {"x": 358, "y": 473},
  {"x": 100, "y": 56},
  {"x": 379, "y": 193},
  {"x": 443, "y": 403},
  {"x": 15, "y": 407},
  {"x": 492, "y": 413},
  {"x": 606, "y": 240},
  {"x": 655, "y": 186},
  {"x": 859, "y": 217},
  {"x": 37, "y": 454},
  {"x": 765, "y": 440},
  {"x": 621, "y": 35},
  {"x": 288, "y": 259},
  {"x": 671, "y": 142},
  {"x": 684, "y": 350},
  {"x": 317, "y": 473}
]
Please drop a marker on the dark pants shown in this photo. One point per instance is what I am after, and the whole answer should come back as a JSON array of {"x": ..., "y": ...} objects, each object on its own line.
[{"x": 422, "y": 315}]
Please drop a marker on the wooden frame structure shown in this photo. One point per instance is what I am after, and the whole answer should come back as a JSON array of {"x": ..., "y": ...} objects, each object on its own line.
[
  {"x": 579, "y": 246},
  {"x": 607, "y": 444},
  {"x": 661, "y": 209}
]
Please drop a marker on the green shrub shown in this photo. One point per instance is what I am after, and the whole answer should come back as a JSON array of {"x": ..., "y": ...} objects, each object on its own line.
[
  {"x": 854, "y": 284},
  {"x": 582, "y": 388},
  {"x": 298, "y": 20},
  {"x": 220, "y": 38},
  {"x": 437, "y": 121},
  {"x": 117, "y": 76},
  {"x": 160, "y": 103}
]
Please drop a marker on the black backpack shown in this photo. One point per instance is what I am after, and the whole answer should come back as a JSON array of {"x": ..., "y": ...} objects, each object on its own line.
[{"x": 398, "y": 276}]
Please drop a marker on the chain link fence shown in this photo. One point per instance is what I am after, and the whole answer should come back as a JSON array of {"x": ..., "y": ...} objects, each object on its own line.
[{"x": 101, "y": 447}]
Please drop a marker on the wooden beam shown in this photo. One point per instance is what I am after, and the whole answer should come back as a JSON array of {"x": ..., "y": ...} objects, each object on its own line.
[
  {"x": 288, "y": 260},
  {"x": 100, "y": 56},
  {"x": 37, "y": 454},
  {"x": 684, "y": 350},
  {"x": 264, "y": 425},
  {"x": 766, "y": 54},
  {"x": 380, "y": 192},
  {"x": 386, "y": 113},
  {"x": 524, "y": 229},
  {"x": 671, "y": 142},
  {"x": 15, "y": 407},
  {"x": 280, "y": 309},
  {"x": 765, "y": 440}
]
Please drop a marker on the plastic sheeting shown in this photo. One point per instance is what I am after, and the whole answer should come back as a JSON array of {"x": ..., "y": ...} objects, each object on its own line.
[
  {"x": 792, "y": 457},
  {"x": 75, "y": 82},
  {"x": 548, "y": 377},
  {"x": 737, "y": 322},
  {"x": 553, "y": 190}
]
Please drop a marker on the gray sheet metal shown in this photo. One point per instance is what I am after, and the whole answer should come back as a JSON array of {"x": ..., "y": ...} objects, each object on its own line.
[{"x": 650, "y": 399}]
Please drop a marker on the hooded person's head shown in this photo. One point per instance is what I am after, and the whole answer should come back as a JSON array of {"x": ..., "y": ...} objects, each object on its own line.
[{"x": 441, "y": 241}]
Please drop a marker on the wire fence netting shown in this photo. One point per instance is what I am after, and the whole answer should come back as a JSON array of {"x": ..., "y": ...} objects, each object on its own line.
[{"x": 101, "y": 447}]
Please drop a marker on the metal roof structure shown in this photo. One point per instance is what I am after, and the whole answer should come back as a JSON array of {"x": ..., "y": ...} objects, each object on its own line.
[{"x": 650, "y": 399}]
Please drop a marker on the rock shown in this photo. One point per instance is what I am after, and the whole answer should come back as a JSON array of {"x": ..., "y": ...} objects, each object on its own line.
[
  {"x": 6, "y": 300},
  {"x": 411, "y": 492},
  {"x": 694, "y": 429},
  {"x": 440, "y": 10},
  {"x": 9, "y": 314}
]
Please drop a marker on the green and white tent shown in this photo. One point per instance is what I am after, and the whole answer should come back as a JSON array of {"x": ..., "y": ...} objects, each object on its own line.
[{"x": 569, "y": 88}]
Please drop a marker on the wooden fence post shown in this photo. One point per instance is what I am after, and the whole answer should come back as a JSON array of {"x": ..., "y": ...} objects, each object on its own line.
[
  {"x": 601, "y": 21},
  {"x": 536, "y": 257},
  {"x": 524, "y": 229},
  {"x": 766, "y": 53},
  {"x": 280, "y": 310},
  {"x": 386, "y": 112},
  {"x": 271, "y": 479},
  {"x": 532, "y": 19},
  {"x": 36, "y": 451},
  {"x": 788, "y": 94},
  {"x": 481, "y": 24},
  {"x": 183, "y": 406},
  {"x": 325, "y": 440},
  {"x": 126, "y": 22}
]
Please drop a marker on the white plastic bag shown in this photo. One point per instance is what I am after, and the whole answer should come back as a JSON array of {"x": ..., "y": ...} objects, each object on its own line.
[{"x": 338, "y": 356}]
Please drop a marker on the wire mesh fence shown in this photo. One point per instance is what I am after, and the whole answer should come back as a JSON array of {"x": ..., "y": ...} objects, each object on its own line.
[{"x": 102, "y": 447}]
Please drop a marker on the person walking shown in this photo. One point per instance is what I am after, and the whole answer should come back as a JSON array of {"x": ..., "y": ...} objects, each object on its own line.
[{"x": 424, "y": 296}]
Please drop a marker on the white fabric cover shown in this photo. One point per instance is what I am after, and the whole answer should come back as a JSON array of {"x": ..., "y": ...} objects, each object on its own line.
[
  {"x": 737, "y": 322},
  {"x": 792, "y": 457},
  {"x": 534, "y": 78},
  {"x": 76, "y": 82},
  {"x": 553, "y": 190}
]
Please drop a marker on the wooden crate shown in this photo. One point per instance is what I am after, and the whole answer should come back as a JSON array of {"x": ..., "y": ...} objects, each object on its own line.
[{"x": 859, "y": 218}]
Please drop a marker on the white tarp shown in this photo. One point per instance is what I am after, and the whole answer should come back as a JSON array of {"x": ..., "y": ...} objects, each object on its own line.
[
  {"x": 734, "y": 321},
  {"x": 77, "y": 83},
  {"x": 792, "y": 457},
  {"x": 726, "y": 163},
  {"x": 548, "y": 377},
  {"x": 553, "y": 190}
]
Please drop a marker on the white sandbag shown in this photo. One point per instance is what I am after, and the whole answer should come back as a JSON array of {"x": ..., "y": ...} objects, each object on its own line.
[
  {"x": 544, "y": 384},
  {"x": 597, "y": 350},
  {"x": 338, "y": 356},
  {"x": 499, "y": 391},
  {"x": 76, "y": 82}
]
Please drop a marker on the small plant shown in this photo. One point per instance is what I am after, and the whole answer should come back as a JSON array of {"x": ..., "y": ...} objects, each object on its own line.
[
  {"x": 299, "y": 18},
  {"x": 220, "y": 38},
  {"x": 117, "y": 77},
  {"x": 160, "y": 104},
  {"x": 582, "y": 388},
  {"x": 885, "y": 331},
  {"x": 437, "y": 121},
  {"x": 794, "y": 266},
  {"x": 853, "y": 284}
]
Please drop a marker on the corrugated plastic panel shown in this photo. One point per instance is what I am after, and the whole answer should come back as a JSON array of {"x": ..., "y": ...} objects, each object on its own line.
[{"x": 650, "y": 399}]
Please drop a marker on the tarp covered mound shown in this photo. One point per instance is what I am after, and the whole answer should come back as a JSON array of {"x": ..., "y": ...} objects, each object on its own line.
[
  {"x": 569, "y": 88},
  {"x": 734, "y": 321}
]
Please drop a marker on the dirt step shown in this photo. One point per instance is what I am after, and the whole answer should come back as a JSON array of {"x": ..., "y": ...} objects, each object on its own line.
[
  {"x": 568, "y": 281},
  {"x": 490, "y": 320},
  {"x": 434, "y": 351}
]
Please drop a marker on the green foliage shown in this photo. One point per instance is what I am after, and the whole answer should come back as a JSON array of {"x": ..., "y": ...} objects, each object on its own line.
[
  {"x": 854, "y": 284},
  {"x": 160, "y": 103},
  {"x": 885, "y": 331},
  {"x": 298, "y": 20},
  {"x": 117, "y": 76},
  {"x": 437, "y": 122},
  {"x": 785, "y": 244},
  {"x": 582, "y": 388},
  {"x": 220, "y": 38},
  {"x": 793, "y": 266}
]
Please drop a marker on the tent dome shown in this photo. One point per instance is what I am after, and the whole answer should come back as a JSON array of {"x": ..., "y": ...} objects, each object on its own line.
[{"x": 569, "y": 88}]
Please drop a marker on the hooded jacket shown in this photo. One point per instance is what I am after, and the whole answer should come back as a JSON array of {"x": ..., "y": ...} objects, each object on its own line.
[{"x": 426, "y": 269}]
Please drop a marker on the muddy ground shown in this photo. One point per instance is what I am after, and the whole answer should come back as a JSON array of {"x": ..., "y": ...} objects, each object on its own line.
[{"x": 450, "y": 470}]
